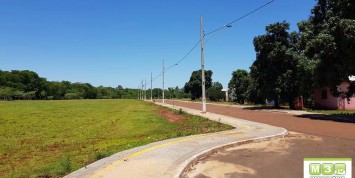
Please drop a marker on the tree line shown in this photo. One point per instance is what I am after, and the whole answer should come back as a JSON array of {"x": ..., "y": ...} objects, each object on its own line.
[
  {"x": 25, "y": 84},
  {"x": 293, "y": 64},
  {"x": 288, "y": 65},
  {"x": 28, "y": 85}
]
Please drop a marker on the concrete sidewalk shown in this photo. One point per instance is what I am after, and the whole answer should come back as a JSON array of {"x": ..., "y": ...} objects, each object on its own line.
[
  {"x": 169, "y": 158},
  {"x": 288, "y": 111}
]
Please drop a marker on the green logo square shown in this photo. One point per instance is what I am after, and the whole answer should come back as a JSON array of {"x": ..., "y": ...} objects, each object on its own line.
[
  {"x": 327, "y": 169},
  {"x": 340, "y": 169},
  {"x": 314, "y": 169}
]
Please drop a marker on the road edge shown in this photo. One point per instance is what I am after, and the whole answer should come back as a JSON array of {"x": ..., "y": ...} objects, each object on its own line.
[{"x": 186, "y": 166}]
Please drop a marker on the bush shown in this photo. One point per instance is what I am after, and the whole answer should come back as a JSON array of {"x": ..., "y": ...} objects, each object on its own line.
[
  {"x": 70, "y": 96},
  {"x": 213, "y": 94}
]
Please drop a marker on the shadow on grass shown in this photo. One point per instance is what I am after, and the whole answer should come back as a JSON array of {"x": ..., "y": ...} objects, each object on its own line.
[{"x": 347, "y": 118}]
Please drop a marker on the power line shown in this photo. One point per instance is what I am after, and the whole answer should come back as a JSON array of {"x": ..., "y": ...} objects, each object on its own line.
[
  {"x": 218, "y": 30},
  {"x": 177, "y": 63},
  {"x": 213, "y": 35},
  {"x": 184, "y": 57},
  {"x": 213, "y": 31},
  {"x": 240, "y": 18},
  {"x": 157, "y": 76}
]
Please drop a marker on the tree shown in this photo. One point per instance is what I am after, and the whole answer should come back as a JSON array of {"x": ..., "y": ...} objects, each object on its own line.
[
  {"x": 55, "y": 90},
  {"x": 215, "y": 93},
  {"x": 238, "y": 85},
  {"x": 328, "y": 40},
  {"x": 24, "y": 81},
  {"x": 127, "y": 93},
  {"x": 26, "y": 84},
  {"x": 86, "y": 90},
  {"x": 8, "y": 93},
  {"x": 71, "y": 96},
  {"x": 106, "y": 92},
  {"x": 217, "y": 85},
  {"x": 306, "y": 76},
  {"x": 194, "y": 86},
  {"x": 254, "y": 94},
  {"x": 275, "y": 68},
  {"x": 178, "y": 93},
  {"x": 157, "y": 93}
]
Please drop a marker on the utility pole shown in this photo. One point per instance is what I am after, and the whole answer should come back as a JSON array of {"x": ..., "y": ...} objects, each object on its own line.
[
  {"x": 203, "y": 68},
  {"x": 145, "y": 89},
  {"x": 163, "y": 82},
  {"x": 151, "y": 86},
  {"x": 142, "y": 90}
]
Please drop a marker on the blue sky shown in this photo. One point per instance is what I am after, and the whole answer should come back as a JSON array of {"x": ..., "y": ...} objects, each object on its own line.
[{"x": 119, "y": 42}]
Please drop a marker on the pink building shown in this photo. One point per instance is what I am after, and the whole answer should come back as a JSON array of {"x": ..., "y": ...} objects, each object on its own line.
[{"x": 324, "y": 98}]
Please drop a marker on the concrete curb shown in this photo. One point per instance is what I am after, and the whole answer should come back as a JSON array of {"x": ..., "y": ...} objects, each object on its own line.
[
  {"x": 182, "y": 158},
  {"x": 186, "y": 165},
  {"x": 194, "y": 159},
  {"x": 287, "y": 111}
]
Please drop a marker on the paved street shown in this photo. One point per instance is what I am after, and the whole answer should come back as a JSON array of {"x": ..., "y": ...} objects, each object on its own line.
[
  {"x": 315, "y": 136},
  {"x": 298, "y": 121}
]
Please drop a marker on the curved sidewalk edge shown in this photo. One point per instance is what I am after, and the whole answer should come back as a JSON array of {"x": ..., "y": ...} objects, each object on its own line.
[
  {"x": 194, "y": 159},
  {"x": 170, "y": 158}
]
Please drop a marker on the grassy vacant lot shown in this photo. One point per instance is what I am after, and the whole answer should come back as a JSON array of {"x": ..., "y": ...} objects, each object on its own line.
[{"x": 52, "y": 138}]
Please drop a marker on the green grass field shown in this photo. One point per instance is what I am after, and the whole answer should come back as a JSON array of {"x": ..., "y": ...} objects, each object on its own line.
[{"x": 53, "y": 138}]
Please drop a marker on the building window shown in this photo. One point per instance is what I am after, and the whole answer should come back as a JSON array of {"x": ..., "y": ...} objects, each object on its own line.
[{"x": 324, "y": 94}]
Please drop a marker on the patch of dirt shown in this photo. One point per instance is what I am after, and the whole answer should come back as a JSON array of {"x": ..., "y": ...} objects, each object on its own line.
[
  {"x": 219, "y": 169},
  {"x": 278, "y": 145},
  {"x": 321, "y": 138},
  {"x": 26, "y": 156},
  {"x": 142, "y": 137},
  {"x": 170, "y": 116},
  {"x": 276, "y": 158},
  {"x": 54, "y": 148}
]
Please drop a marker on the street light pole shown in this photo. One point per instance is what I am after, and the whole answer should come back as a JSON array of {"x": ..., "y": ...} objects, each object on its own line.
[
  {"x": 151, "y": 86},
  {"x": 163, "y": 82},
  {"x": 202, "y": 67},
  {"x": 142, "y": 90},
  {"x": 145, "y": 89}
]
